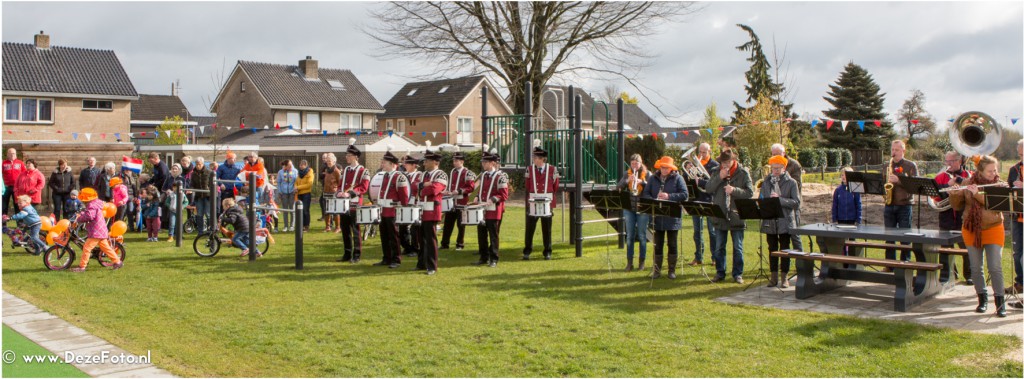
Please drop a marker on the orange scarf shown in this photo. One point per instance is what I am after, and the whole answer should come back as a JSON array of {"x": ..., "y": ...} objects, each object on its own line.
[
  {"x": 704, "y": 162},
  {"x": 633, "y": 181}
]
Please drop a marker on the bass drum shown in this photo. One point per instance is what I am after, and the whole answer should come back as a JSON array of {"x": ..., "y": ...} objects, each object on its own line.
[{"x": 375, "y": 186}]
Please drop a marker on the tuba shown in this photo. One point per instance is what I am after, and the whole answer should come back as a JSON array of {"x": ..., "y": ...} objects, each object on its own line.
[
  {"x": 692, "y": 167},
  {"x": 972, "y": 134}
]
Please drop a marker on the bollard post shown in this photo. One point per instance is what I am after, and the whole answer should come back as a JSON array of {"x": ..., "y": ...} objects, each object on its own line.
[
  {"x": 178, "y": 197},
  {"x": 252, "y": 217},
  {"x": 298, "y": 235}
]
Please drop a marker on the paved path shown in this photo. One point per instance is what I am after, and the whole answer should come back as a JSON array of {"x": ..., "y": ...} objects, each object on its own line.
[
  {"x": 59, "y": 336},
  {"x": 953, "y": 309}
]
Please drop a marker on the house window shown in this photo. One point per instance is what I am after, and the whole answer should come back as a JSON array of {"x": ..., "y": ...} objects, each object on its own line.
[
  {"x": 401, "y": 126},
  {"x": 28, "y": 110},
  {"x": 351, "y": 121},
  {"x": 412, "y": 122},
  {"x": 313, "y": 121},
  {"x": 295, "y": 119},
  {"x": 443, "y": 89},
  {"x": 336, "y": 85},
  {"x": 388, "y": 125},
  {"x": 465, "y": 128},
  {"x": 242, "y": 86},
  {"x": 97, "y": 105},
  {"x": 413, "y": 92}
]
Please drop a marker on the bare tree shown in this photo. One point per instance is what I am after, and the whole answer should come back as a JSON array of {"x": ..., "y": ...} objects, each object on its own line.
[
  {"x": 919, "y": 123},
  {"x": 516, "y": 42},
  {"x": 612, "y": 93}
]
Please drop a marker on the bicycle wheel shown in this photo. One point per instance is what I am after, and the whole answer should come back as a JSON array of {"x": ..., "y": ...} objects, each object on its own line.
[
  {"x": 189, "y": 226},
  {"x": 58, "y": 257},
  {"x": 206, "y": 245},
  {"x": 262, "y": 245},
  {"x": 102, "y": 258}
]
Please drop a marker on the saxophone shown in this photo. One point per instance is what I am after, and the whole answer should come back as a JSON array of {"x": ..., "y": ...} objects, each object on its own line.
[{"x": 888, "y": 185}]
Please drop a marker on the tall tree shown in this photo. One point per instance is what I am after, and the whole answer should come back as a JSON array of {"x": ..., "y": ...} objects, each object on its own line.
[
  {"x": 760, "y": 127},
  {"x": 855, "y": 97},
  {"x": 759, "y": 78},
  {"x": 916, "y": 123},
  {"x": 171, "y": 132},
  {"x": 517, "y": 42},
  {"x": 711, "y": 122}
]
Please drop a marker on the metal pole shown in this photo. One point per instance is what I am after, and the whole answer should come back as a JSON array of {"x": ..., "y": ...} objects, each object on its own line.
[
  {"x": 527, "y": 145},
  {"x": 177, "y": 214},
  {"x": 483, "y": 115},
  {"x": 252, "y": 216},
  {"x": 298, "y": 235},
  {"x": 578, "y": 178},
  {"x": 211, "y": 221},
  {"x": 573, "y": 166},
  {"x": 620, "y": 109}
]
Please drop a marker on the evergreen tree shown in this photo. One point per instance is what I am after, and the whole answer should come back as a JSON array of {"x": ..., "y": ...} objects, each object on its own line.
[
  {"x": 759, "y": 80},
  {"x": 855, "y": 97}
]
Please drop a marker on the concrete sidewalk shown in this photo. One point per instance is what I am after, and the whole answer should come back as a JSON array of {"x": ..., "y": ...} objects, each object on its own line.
[
  {"x": 953, "y": 309},
  {"x": 59, "y": 336}
]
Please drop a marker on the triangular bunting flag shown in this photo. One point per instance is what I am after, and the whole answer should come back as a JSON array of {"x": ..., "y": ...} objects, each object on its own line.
[
  {"x": 229, "y": 128},
  {"x": 664, "y": 135},
  {"x": 359, "y": 132},
  {"x": 88, "y": 136},
  {"x": 103, "y": 135},
  {"x": 843, "y": 124},
  {"x": 950, "y": 120},
  {"x": 390, "y": 133},
  {"x": 686, "y": 132},
  {"x": 697, "y": 132},
  {"x": 253, "y": 130},
  {"x": 814, "y": 123},
  {"x": 202, "y": 129},
  {"x": 168, "y": 133},
  {"x": 861, "y": 124},
  {"x": 878, "y": 123},
  {"x": 325, "y": 132},
  {"x": 241, "y": 125},
  {"x": 676, "y": 134},
  {"x": 266, "y": 127},
  {"x": 433, "y": 134},
  {"x": 214, "y": 125},
  {"x": 74, "y": 135},
  {"x": 915, "y": 121},
  {"x": 290, "y": 127},
  {"x": 444, "y": 133},
  {"x": 710, "y": 132},
  {"x": 1013, "y": 121},
  {"x": 118, "y": 135},
  {"x": 640, "y": 136},
  {"x": 277, "y": 126}
]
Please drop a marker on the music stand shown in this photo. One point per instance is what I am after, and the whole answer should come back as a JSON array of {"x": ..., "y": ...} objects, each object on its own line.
[
  {"x": 866, "y": 182},
  {"x": 611, "y": 200},
  {"x": 703, "y": 209},
  {"x": 919, "y": 186},
  {"x": 1004, "y": 199},
  {"x": 760, "y": 209},
  {"x": 691, "y": 186}
]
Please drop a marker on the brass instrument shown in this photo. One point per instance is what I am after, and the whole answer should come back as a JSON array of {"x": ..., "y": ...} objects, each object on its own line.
[
  {"x": 888, "y": 185},
  {"x": 972, "y": 133},
  {"x": 692, "y": 167},
  {"x": 757, "y": 186}
]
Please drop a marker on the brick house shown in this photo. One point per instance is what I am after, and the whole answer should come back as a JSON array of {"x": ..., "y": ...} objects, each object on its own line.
[
  {"x": 65, "y": 102},
  {"x": 149, "y": 111},
  {"x": 306, "y": 96},
  {"x": 448, "y": 106}
]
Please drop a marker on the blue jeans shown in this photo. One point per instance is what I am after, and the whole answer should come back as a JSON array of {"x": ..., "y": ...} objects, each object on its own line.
[
  {"x": 240, "y": 240},
  {"x": 1017, "y": 228},
  {"x": 33, "y": 236},
  {"x": 172, "y": 225},
  {"x": 698, "y": 237},
  {"x": 898, "y": 216},
  {"x": 737, "y": 252},
  {"x": 202, "y": 214},
  {"x": 636, "y": 231}
]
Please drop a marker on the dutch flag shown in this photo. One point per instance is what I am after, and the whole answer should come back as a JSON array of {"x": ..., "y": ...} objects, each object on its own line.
[{"x": 131, "y": 164}]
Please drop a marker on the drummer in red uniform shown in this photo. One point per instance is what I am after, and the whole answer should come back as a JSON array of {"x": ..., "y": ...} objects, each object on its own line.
[
  {"x": 460, "y": 186},
  {"x": 394, "y": 192},
  {"x": 493, "y": 192},
  {"x": 355, "y": 181},
  {"x": 409, "y": 234},
  {"x": 430, "y": 191},
  {"x": 541, "y": 183}
]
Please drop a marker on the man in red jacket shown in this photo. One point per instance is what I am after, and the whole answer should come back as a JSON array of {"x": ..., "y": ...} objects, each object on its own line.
[
  {"x": 30, "y": 183},
  {"x": 394, "y": 192},
  {"x": 12, "y": 169},
  {"x": 430, "y": 190},
  {"x": 541, "y": 185},
  {"x": 493, "y": 192},
  {"x": 460, "y": 186},
  {"x": 355, "y": 181}
]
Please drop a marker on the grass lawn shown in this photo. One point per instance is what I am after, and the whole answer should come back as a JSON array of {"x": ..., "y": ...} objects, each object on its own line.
[
  {"x": 223, "y": 316},
  {"x": 21, "y": 346}
]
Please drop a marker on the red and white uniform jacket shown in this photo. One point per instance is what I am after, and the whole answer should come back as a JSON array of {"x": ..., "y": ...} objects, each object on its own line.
[
  {"x": 394, "y": 192},
  {"x": 462, "y": 183},
  {"x": 946, "y": 179},
  {"x": 415, "y": 178},
  {"x": 430, "y": 191},
  {"x": 355, "y": 180},
  {"x": 543, "y": 181},
  {"x": 493, "y": 187}
]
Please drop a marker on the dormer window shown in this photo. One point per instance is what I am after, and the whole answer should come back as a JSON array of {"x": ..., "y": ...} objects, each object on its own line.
[
  {"x": 445, "y": 88},
  {"x": 413, "y": 92},
  {"x": 336, "y": 85}
]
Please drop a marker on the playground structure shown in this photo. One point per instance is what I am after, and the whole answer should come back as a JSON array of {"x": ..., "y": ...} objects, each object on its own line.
[{"x": 571, "y": 149}]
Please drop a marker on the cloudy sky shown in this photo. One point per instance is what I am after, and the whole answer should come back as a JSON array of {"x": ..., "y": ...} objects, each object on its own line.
[{"x": 962, "y": 55}]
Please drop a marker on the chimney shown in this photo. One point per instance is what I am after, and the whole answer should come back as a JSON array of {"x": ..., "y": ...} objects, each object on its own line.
[
  {"x": 42, "y": 41},
  {"x": 309, "y": 67},
  {"x": 174, "y": 89}
]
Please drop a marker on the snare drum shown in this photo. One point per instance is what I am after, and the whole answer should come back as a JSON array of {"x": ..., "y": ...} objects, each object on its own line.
[
  {"x": 539, "y": 207},
  {"x": 369, "y": 214},
  {"x": 408, "y": 215},
  {"x": 338, "y": 205},
  {"x": 375, "y": 185},
  {"x": 473, "y": 214},
  {"x": 447, "y": 204}
]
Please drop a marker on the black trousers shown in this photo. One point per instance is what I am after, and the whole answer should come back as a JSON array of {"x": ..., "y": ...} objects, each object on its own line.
[
  {"x": 305, "y": 199},
  {"x": 350, "y": 237},
  {"x": 428, "y": 246},
  {"x": 9, "y": 202},
  {"x": 410, "y": 239},
  {"x": 545, "y": 230},
  {"x": 451, "y": 221},
  {"x": 58, "y": 205},
  {"x": 487, "y": 234},
  {"x": 389, "y": 241},
  {"x": 659, "y": 248},
  {"x": 774, "y": 242},
  {"x": 323, "y": 208}
]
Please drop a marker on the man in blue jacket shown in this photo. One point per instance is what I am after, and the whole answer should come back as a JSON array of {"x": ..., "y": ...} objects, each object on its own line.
[
  {"x": 228, "y": 171},
  {"x": 666, "y": 185}
]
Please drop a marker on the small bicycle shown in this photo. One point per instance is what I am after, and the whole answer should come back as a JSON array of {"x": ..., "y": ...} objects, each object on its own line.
[
  {"x": 19, "y": 237},
  {"x": 208, "y": 244},
  {"x": 61, "y": 255}
]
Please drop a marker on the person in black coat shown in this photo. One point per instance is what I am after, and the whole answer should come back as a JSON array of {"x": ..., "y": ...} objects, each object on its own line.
[
  {"x": 89, "y": 175},
  {"x": 666, "y": 185},
  {"x": 61, "y": 183},
  {"x": 160, "y": 171}
]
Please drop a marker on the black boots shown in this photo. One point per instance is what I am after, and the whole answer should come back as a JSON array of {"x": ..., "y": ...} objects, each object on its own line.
[
  {"x": 640, "y": 267},
  {"x": 1001, "y": 306},
  {"x": 672, "y": 267},
  {"x": 629, "y": 266},
  {"x": 982, "y": 303},
  {"x": 658, "y": 259}
]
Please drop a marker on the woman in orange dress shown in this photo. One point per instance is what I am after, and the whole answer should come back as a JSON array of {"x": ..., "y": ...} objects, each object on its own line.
[{"x": 983, "y": 233}]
